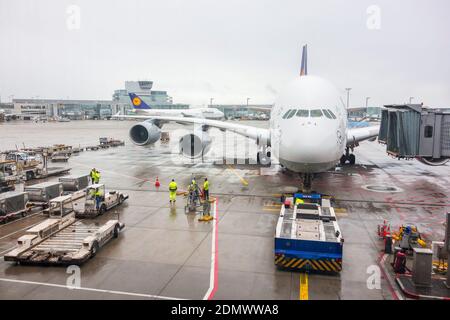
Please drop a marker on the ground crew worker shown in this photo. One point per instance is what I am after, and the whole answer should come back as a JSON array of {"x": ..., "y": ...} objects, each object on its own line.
[
  {"x": 92, "y": 175},
  {"x": 173, "y": 191},
  {"x": 96, "y": 176},
  {"x": 97, "y": 195},
  {"x": 193, "y": 187},
  {"x": 206, "y": 189}
]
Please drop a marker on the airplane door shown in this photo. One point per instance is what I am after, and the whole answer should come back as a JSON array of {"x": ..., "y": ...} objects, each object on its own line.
[{"x": 427, "y": 133}]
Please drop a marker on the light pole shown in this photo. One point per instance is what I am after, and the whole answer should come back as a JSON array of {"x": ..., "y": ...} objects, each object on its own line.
[
  {"x": 410, "y": 99},
  {"x": 348, "y": 96},
  {"x": 367, "y": 101}
]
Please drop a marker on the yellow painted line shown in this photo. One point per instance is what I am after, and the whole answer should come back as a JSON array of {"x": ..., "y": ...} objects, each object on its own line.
[
  {"x": 243, "y": 181},
  {"x": 303, "y": 286},
  {"x": 273, "y": 205},
  {"x": 340, "y": 210}
]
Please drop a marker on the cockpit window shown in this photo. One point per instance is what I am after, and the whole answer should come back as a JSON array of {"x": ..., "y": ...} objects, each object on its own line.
[
  {"x": 291, "y": 114},
  {"x": 331, "y": 113},
  {"x": 327, "y": 114},
  {"x": 286, "y": 114},
  {"x": 303, "y": 113},
  {"x": 316, "y": 113}
]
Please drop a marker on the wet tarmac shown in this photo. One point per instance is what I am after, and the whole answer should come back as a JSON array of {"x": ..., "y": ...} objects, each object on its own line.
[{"x": 164, "y": 253}]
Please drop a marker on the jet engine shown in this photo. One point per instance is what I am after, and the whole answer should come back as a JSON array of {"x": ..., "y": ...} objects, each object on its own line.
[
  {"x": 196, "y": 144},
  {"x": 433, "y": 161},
  {"x": 145, "y": 133}
]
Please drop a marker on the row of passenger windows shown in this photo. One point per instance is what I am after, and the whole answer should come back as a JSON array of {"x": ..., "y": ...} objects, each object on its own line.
[{"x": 314, "y": 113}]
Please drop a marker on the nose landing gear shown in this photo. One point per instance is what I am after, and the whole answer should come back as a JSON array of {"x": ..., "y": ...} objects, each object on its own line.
[
  {"x": 348, "y": 157},
  {"x": 307, "y": 182}
]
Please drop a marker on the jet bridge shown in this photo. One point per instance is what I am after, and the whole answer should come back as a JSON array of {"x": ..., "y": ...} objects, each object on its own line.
[{"x": 412, "y": 131}]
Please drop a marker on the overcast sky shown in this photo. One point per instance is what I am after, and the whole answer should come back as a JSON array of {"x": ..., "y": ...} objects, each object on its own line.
[{"x": 228, "y": 49}]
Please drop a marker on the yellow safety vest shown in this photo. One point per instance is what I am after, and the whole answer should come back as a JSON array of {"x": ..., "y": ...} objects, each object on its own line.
[
  {"x": 206, "y": 185},
  {"x": 298, "y": 201},
  {"x": 173, "y": 186}
]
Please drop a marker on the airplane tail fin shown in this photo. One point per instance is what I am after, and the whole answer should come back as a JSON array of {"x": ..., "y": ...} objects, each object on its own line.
[
  {"x": 137, "y": 102},
  {"x": 304, "y": 67}
]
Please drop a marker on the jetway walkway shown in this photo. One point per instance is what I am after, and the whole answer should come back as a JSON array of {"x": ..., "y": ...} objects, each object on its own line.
[{"x": 414, "y": 131}]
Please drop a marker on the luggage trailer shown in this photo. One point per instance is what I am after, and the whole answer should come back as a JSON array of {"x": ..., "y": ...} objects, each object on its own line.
[
  {"x": 307, "y": 236},
  {"x": 62, "y": 239}
]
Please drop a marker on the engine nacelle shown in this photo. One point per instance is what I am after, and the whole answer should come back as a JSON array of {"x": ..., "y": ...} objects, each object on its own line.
[
  {"x": 194, "y": 145},
  {"x": 144, "y": 133},
  {"x": 433, "y": 161}
]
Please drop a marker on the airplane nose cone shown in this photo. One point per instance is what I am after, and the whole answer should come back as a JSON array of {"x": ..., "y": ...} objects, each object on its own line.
[{"x": 309, "y": 147}]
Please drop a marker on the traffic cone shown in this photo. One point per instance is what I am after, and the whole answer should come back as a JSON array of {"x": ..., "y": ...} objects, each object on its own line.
[{"x": 157, "y": 184}]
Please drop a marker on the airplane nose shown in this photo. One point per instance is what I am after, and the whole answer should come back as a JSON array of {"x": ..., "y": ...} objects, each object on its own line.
[{"x": 309, "y": 144}]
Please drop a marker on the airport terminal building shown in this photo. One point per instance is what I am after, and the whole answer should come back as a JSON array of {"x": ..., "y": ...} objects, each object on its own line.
[{"x": 96, "y": 109}]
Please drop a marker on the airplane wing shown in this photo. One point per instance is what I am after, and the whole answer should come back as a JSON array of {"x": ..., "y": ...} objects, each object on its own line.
[
  {"x": 258, "y": 134},
  {"x": 356, "y": 135}
]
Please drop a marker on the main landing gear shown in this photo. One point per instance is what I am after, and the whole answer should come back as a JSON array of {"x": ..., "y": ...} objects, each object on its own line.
[
  {"x": 263, "y": 156},
  {"x": 348, "y": 157}
]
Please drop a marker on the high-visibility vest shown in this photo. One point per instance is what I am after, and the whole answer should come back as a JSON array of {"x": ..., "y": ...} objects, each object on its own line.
[
  {"x": 173, "y": 186},
  {"x": 298, "y": 201},
  {"x": 206, "y": 185}
]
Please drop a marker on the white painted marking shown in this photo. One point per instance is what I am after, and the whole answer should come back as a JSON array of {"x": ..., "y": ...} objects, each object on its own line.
[{"x": 90, "y": 289}]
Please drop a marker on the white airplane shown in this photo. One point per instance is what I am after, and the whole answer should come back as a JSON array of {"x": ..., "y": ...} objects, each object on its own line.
[
  {"x": 143, "y": 108},
  {"x": 308, "y": 129}
]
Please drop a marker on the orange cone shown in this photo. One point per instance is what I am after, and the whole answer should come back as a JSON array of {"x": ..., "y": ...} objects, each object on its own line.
[{"x": 157, "y": 184}]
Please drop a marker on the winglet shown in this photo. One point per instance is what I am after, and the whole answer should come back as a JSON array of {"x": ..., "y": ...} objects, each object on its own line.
[
  {"x": 137, "y": 102},
  {"x": 304, "y": 67}
]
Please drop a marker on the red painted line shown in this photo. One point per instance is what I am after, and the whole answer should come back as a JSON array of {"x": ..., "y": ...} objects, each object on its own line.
[{"x": 383, "y": 271}]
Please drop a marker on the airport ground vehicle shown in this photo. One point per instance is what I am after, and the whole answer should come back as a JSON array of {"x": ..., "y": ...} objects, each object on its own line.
[
  {"x": 93, "y": 204},
  {"x": 33, "y": 165},
  {"x": 12, "y": 205},
  {"x": 307, "y": 236},
  {"x": 62, "y": 239},
  {"x": 8, "y": 176}
]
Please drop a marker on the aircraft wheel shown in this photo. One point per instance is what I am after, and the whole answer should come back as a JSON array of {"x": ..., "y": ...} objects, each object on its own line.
[{"x": 94, "y": 249}]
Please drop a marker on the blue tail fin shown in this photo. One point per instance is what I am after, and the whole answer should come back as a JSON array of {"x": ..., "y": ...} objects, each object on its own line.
[
  {"x": 304, "y": 67},
  {"x": 137, "y": 102}
]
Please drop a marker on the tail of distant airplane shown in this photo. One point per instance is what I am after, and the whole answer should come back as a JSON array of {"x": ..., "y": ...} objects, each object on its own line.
[
  {"x": 304, "y": 67},
  {"x": 137, "y": 102}
]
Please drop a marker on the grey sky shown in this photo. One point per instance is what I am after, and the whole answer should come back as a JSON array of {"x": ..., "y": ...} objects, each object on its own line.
[{"x": 228, "y": 50}]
